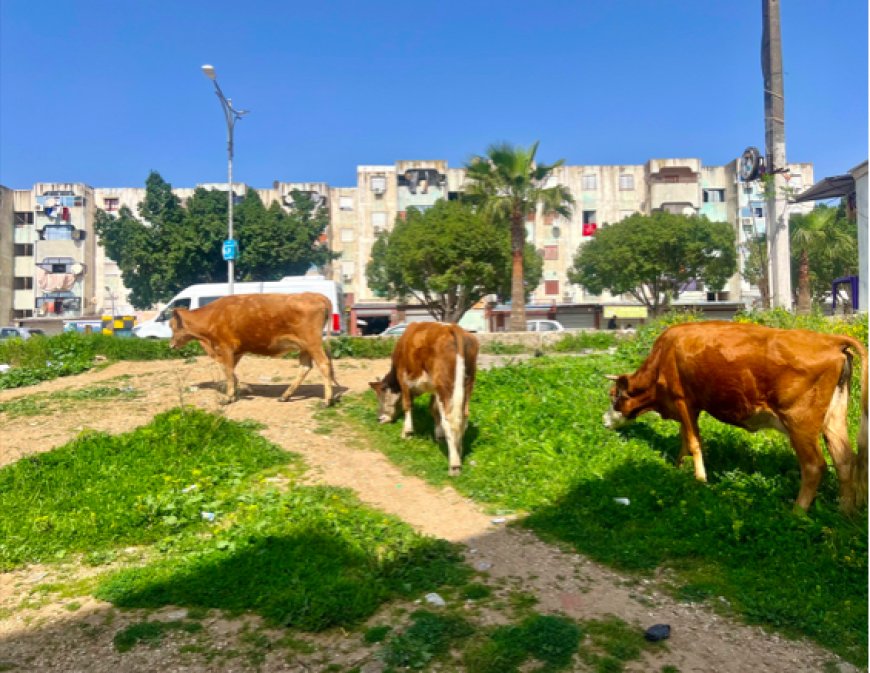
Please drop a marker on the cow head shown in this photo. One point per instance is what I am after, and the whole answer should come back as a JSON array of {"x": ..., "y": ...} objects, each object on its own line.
[
  {"x": 389, "y": 400},
  {"x": 181, "y": 336},
  {"x": 623, "y": 408}
]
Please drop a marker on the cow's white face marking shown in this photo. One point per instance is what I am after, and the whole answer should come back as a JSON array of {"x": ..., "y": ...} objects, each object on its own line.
[
  {"x": 388, "y": 404},
  {"x": 612, "y": 419}
]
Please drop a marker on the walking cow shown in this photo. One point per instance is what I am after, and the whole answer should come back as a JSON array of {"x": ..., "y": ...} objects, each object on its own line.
[
  {"x": 262, "y": 324},
  {"x": 754, "y": 377}
]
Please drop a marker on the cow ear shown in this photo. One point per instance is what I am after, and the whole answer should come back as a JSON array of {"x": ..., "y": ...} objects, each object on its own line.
[
  {"x": 177, "y": 315},
  {"x": 375, "y": 385}
]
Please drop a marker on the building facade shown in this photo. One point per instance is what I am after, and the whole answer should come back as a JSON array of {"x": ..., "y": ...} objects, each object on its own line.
[{"x": 52, "y": 265}]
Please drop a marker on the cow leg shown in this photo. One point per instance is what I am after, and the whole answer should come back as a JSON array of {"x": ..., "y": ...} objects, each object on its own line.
[
  {"x": 324, "y": 366},
  {"x": 436, "y": 416},
  {"x": 691, "y": 438},
  {"x": 304, "y": 368},
  {"x": 452, "y": 429},
  {"x": 229, "y": 362},
  {"x": 809, "y": 454},
  {"x": 408, "y": 408}
]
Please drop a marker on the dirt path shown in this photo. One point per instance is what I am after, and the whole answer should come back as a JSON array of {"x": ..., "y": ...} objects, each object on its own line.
[{"x": 48, "y": 639}]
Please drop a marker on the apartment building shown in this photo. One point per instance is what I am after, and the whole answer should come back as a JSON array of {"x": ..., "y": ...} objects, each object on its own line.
[{"x": 52, "y": 265}]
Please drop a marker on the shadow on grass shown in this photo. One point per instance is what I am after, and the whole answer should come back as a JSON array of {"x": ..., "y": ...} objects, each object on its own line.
[
  {"x": 735, "y": 537},
  {"x": 308, "y": 580}
]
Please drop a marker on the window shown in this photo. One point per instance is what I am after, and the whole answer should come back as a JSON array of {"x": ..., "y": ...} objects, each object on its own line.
[
  {"x": 345, "y": 203},
  {"x": 551, "y": 252},
  {"x": 589, "y": 217},
  {"x": 23, "y": 250},
  {"x": 57, "y": 232},
  {"x": 379, "y": 184},
  {"x": 23, "y": 283},
  {"x": 22, "y": 219},
  {"x": 714, "y": 195},
  {"x": 347, "y": 268},
  {"x": 346, "y": 235},
  {"x": 626, "y": 182},
  {"x": 747, "y": 189},
  {"x": 551, "y": 287},
  {"x": 758, "y": 212},
  {"x": 205, "y": 301},
  {"x": 379, "y": 221},
  {"x": 590, "y": 182},
  {"x": 111, "y": 204}
]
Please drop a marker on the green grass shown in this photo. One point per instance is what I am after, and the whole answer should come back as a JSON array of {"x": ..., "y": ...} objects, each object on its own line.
[
  {"x": 359, "y": 347},
  {"x": 150, "y": 633},
  {"x": 45, "y": 358},
  {"x": 429, "y": 637},
  {"x": 536, "y": 443},
  {"x": 307, "y": 557},
  {"x": 47, "y": 403},
  {"x": 578, "y": 341}
]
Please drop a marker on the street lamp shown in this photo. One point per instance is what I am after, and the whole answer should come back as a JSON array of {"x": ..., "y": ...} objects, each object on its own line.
[{"x": 232, "y": 115}]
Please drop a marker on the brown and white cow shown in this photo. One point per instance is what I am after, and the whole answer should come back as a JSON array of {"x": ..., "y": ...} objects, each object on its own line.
[
  {"x": 754, "y": 377},
  {"x": 432, "y": 358},
  {"x": 262, "y": 324}
]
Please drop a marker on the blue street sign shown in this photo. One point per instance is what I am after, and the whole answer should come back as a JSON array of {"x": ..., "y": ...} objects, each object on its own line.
[{"x": 231, "y": 250}]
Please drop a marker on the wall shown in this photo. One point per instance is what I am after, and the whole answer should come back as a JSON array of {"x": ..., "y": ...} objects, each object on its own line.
[
  {"x": 7, "y": 245},
  {"x": 860, "y": 175}
]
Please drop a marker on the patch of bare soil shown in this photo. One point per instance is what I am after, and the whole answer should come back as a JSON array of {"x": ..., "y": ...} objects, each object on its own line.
[{"x": 41, "y": 631}]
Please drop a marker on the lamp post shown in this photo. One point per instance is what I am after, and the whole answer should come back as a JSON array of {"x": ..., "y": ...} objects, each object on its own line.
[{"x": 232, "y": 115}]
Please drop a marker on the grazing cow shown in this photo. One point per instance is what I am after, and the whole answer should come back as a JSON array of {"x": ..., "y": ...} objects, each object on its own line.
[
  {"x": 432, "y": 358},
  {"x": 262, "y": 324},
  {"x": 754, "y": 377}
]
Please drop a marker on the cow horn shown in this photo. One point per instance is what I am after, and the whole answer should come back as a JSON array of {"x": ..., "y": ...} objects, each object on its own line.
[{"x": 611, "y": 377}]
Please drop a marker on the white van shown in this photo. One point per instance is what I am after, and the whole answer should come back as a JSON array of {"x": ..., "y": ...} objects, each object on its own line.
[{"x": 197, "y": 296}]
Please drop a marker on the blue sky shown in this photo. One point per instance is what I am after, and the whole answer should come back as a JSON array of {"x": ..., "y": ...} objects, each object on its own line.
[{"x": 104, "y": 92}]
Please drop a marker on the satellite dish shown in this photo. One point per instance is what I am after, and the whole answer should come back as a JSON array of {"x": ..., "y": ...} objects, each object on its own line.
[
  {"x": 750, "y": 164},
  {"x": 77, "y": 268}
]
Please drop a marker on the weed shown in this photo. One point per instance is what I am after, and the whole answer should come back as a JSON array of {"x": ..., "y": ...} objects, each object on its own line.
[
  {"x": 500, "y": 348},
  {"x": 376, "y": 634},
  {"x": 360, "y": 347},
  {"x": 581, "y": 341},
  {"x": 431, "y": 635},
  {"x": 549, "y": 639},
  {"x": 475, "y": 591},
  {"x": 150, "y": 633}
]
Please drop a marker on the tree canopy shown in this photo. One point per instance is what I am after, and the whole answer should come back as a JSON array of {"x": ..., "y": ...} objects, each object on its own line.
[
  {"x": 824, "y": 246},
  {"x": 448, "y": 258},
  {"x": 170, "y": 246},
  {"x": 655, "y": 257},
  {"x": 507, "y": 185}
]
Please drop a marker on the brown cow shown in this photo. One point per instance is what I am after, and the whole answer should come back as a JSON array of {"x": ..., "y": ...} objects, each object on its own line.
[
  {"x": 262, "y": 324},
  {"x": 754, "y": 377},
  {"x": 438, "y": 358}
]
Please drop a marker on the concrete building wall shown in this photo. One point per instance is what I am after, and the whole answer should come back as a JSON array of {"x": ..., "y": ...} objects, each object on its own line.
[
  {"x": 860, "y": 175},
  {"x": 7, "y": 246}
]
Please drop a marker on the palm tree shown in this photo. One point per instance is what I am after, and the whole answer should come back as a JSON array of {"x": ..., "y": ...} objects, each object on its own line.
[
  {"x": 817, "y": 236},
  {"x": 508, "y": 185}
]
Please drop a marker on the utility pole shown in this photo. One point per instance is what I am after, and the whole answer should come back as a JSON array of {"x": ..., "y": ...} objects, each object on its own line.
[{"x": 775, "y": 163}]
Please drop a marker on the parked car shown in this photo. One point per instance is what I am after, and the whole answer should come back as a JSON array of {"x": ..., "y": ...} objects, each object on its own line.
[
  {"x": 395, "y": 330},
  {"x": 19, "y": 332},
  {"x": 544, "y": 326}
]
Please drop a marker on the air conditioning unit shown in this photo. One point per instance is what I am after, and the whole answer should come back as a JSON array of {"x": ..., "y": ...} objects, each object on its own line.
[
  {"x": 39, "y": 208},
  {"x": 78, "y": 234},
  {"x": 379, "y": 184}
]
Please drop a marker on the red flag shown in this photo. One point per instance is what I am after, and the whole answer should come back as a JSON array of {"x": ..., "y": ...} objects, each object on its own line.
[{"x": 589, "y": 228}]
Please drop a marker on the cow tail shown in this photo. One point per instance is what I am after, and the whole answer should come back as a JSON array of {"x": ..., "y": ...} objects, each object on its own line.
[
  {"x": 327, "y": 326},
  {"x": 457, "y": 404},
  {"x": 861, "y": 465},
  {"x": 860, "y": 470}
]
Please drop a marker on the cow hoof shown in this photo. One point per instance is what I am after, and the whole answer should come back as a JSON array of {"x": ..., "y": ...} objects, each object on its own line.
[
  {"x": 454, "y": 471},
  {"x": 406, "y": 434},
  {"x": 283, "y": 399}
]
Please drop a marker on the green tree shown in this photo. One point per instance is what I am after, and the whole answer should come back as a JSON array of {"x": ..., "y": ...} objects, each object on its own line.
[
  {"x": 824, "y": 246},
  {"x": 507, "y": 185},
  {"x": 757, "y": 268},
  {"x": 654, "y": 257},
  {"x": 275, "y": 243},
  {"x": 170, "y": 246},
  {"x": 447, "y": 257}
]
